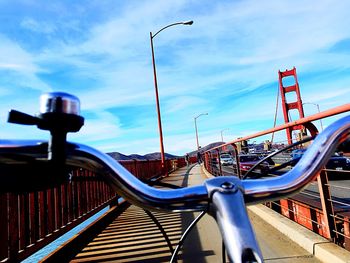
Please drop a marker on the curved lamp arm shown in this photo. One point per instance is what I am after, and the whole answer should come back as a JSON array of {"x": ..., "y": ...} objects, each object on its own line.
[{"x": 188, "y": 23}]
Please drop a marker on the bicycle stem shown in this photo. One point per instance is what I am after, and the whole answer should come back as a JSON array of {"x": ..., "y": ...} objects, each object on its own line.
[{"x": 229, "y": 210}]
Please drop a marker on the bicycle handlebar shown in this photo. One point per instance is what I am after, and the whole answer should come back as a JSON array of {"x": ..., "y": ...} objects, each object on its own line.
[
  {"x": 214, "y": 194},
  {"x": 191, "y": 198},
  {"x": 257, "y": 190},
  {"x": 313, "y": 160}
]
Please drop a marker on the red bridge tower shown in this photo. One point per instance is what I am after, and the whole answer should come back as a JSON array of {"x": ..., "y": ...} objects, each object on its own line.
[{"x": 287, "y": 106}]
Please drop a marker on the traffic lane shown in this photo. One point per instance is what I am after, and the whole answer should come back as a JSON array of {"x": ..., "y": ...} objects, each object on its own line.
[
  {"x": 229, "y": 170},
  {"x": 340, "y": 189},
  {"x": 336, "y": 177}
]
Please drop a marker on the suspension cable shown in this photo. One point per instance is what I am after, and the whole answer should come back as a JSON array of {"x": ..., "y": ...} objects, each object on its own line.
[{"x": 276, "y": 111}]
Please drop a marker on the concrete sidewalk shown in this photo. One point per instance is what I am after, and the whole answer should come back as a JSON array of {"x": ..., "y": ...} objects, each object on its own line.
[
  {"x": 204, "y": 242},
  {"x": 314, "y": 244}
]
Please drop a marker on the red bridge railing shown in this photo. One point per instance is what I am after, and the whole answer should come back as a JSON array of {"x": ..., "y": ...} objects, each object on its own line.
[
  {"x": 30, "y": 221},
  {"x": 319, "y": 207}
]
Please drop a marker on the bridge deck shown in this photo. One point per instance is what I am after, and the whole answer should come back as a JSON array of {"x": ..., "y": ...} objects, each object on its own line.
[{"x": 134, "y": 237}]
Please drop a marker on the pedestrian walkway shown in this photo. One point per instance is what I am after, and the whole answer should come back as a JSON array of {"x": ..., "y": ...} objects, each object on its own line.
[
  {"x": 134, "y": 236},
  {"x": 275, "y": 246}
]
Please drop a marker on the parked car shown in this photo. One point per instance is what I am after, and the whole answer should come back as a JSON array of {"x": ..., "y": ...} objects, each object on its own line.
[
  {"x": 336, "y": 162},
  {"x": 247, "y": 161},
  {"x": 226, "y": 159}
]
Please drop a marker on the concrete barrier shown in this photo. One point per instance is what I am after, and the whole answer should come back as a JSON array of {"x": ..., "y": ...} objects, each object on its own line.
[{"x": 321, "y": 248}]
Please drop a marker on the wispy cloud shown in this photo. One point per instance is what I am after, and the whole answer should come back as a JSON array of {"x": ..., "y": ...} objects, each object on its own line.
[
  {"x": 226, "y": 63},
  {"x": 31, "y": 24}
]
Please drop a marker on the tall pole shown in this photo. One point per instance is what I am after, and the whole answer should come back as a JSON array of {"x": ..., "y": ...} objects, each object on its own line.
[
  {"x": 162, "y": 154},
  {"x": 222, "y": 137},
  {"x": 195, "y": 125},
  {"x": 318, "y": 109}
]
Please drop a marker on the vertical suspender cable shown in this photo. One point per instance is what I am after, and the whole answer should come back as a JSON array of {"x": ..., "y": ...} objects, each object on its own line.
[{"x": 276, "y": 111}]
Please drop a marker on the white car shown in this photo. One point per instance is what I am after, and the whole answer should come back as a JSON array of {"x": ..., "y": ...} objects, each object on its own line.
[{"x": 226, "y": 159}]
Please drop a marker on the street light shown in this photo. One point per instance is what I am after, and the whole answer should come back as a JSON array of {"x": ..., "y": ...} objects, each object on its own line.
[
  {"x": 318, "y": 109},
  {"x": 156, "y": 89},
  {"x": 195, "y": 125},
  {"x": 222, "y": 137}
]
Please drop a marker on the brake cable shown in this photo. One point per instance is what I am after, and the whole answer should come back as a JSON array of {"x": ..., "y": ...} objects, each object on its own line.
[{"x": 277, "y": 152}]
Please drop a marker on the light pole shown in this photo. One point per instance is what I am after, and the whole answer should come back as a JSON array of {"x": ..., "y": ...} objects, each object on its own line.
[
  {"x": 195, "y": 125},
  {"x": 156, "y": 89},
  {"x": 318, "y": 109},
  {"x": 222, "y": 137}
]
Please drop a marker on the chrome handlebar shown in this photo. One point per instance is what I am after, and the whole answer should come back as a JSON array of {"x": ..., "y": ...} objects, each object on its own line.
[
  {"x": 193, "y": 198},
  {"x": 214, "y": 194},
  {"x": 307, "y": 168}
]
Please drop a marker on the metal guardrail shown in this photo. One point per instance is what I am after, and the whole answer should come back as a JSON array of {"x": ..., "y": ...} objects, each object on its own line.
[
  {"x": 319, "y": 207},
  {"x": 30, "y": 221}
]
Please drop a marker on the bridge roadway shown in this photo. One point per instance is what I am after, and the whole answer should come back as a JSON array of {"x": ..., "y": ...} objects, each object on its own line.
[
  {"x": 134, "y": 237},
  {"x": 338, "y": 184}
]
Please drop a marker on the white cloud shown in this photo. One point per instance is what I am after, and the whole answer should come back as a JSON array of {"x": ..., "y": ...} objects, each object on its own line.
[
  {"x": 13, "y": 57},
  {"x": 182, "y": 103},
  {"x": 20, "y": 66},
  {"x": 39, "y": 27},
  {"x": 231, "y": 50},
  {"x": 328, "y": 95},
  {"x": 104, "y": 127}
]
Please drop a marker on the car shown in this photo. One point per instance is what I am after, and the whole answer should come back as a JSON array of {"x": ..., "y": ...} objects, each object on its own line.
[
  {"x": 226, "y": 159},
  {"x": 297, "y": 154},
  {"x": 247, "y": 161},
  {"x": 336, "y": 162}
]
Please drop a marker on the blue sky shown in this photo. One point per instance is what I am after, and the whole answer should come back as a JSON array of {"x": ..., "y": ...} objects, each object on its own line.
[{"x": 225, "y": 64}]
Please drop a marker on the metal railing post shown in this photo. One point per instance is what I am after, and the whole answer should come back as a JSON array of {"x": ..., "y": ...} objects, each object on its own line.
[
  {"x": 219, "y": 162},
  {"x": 325, "y": 194},
  {"x": 327, "y": 206},
  {"x": 235, "y": 151}
]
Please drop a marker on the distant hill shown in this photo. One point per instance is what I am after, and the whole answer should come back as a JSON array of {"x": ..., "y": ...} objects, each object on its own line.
[
  {"x": 137, "y": 157},
  {"x": 211, "y": 145},
  {"x": 119, "y": 156},
  {"x": 150, "y": 156},
  {"x": 205, "y": 148},
  {"x": 156, "y": 156}
]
